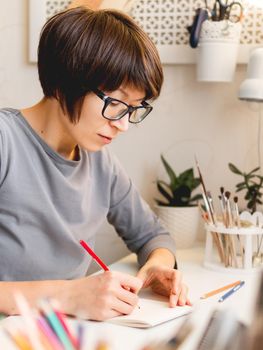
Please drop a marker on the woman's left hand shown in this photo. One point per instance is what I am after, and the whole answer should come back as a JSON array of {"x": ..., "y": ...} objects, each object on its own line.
[{"x": 165, "y": 281}]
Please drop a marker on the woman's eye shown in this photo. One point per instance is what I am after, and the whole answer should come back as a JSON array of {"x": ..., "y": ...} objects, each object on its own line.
[{"x": 115, "y": 103}]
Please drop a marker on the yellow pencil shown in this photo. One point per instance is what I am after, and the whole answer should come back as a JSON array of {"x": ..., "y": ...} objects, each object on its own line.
[{"x": 219, "y": 290}]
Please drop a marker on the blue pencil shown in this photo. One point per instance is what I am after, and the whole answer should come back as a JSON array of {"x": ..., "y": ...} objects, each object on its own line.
[{"x": 231, "y": 291}]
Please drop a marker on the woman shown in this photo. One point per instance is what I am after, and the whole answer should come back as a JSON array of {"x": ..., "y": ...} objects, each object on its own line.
[{"x": 58, "y": 182}]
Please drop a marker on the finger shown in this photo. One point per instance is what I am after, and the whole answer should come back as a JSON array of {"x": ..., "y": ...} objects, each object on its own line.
[
  {"x": 176, "y": 282},
  {"x": 188, "y": 302},
  {"x": 122, "y": 307},
  {"x": 174, "y": 276},
  {"x": 127, "y": 296},
  {"x": 126, "y": 288},
  {"x": 130, "y": 282},
  {"x": 173, "y": 299},
  {"x": 183, "y": 295}
]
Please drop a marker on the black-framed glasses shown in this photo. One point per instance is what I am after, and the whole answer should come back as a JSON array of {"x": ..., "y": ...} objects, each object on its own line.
[{"x": 114, "y": 109}]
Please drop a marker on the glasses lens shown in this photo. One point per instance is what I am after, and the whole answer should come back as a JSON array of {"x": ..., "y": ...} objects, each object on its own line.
[
  {"x": 115, "y": 110},
  {"x": 138, "y": 115}
]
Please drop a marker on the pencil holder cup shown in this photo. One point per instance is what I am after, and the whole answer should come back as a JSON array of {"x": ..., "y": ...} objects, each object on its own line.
[
  {"x": 238, "y": 249},
  {"x": 217, "y": 51}
]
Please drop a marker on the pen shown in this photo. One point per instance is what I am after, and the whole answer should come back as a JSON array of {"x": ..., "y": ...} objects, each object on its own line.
[
  {"x": 219, "y": 290},
  {"x": 93, "y": 255},
  {"x": 231, "y": 291}
]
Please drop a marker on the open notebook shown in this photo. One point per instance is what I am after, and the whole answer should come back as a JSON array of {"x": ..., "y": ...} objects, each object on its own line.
[{"x": 150, "y": 313}]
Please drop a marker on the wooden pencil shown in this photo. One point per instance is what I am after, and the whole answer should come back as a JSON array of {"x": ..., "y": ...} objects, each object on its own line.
[{"x": 219, "y": 290}]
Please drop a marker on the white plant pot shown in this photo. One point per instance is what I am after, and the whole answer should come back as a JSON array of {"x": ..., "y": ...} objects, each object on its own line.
[
  {"x": 217, "y": 51},
  {"x": 182, "y": 223}
]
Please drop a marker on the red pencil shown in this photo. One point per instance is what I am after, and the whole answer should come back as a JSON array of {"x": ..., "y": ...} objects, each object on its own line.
[
  {"x": 93, "y": 255},
  {"x": 61, "y": 318},
  {"x": 98, "y": 260}
]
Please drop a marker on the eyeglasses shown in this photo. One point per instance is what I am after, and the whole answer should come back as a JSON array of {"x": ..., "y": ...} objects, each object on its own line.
[{"x": 114, "y": 109}]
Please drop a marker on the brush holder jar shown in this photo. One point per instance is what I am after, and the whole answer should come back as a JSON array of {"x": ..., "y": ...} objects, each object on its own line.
[
  {"x": 217, "y": 51},
  {"x": 235, "y": 249}
]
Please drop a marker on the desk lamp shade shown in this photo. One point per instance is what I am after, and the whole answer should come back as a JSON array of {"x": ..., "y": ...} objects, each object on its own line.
[{"x": 252, "y": 87}]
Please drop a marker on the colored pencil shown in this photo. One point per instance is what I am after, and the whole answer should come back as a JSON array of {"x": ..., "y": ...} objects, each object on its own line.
[
  {"x": 55, "y": 323},
  {"x": 219, "y": 290},
  {"x": 30, "y": 324},
  {"x": 19, "y": 339},
  {"x": 94, "y": 256},
  {"x": 98, "y": 260},
  {"x": 48, "y": 333},
  {"x": 61, "y": 318}
]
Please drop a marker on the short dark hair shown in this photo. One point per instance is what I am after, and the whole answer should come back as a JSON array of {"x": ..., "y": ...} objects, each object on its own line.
[{"x": 81, "y": 50}]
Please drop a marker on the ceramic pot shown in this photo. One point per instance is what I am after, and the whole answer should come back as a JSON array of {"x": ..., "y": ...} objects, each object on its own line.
[{"x": 183, "y": 224}]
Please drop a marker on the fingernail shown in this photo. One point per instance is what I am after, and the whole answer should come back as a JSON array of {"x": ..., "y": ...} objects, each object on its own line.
[{"x": 182, "y": 301}]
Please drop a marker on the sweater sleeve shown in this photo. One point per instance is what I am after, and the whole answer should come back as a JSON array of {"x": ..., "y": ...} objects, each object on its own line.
[{"x": 133, "y": 219}]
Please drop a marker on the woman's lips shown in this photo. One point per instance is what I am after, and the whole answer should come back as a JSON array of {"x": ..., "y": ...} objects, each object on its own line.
[{"x": 105, "y": 139}]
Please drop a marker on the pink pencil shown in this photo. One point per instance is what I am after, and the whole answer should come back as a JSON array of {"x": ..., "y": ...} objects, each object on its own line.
[
  {"x": 48, "y": 333},
  {"x": 94, "y": 256},
  {"x": 61, "y": 318}
]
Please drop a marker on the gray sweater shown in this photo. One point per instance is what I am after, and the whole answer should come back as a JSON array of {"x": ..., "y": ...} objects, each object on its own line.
[{"x": 48, "y": 203}]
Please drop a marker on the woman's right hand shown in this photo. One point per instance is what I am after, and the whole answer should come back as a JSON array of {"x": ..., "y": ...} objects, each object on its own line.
[{"x": 102, "y": 296}]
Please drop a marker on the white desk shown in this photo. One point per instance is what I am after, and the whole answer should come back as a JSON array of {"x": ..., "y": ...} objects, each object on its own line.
[{"x": 199, "y": 279}]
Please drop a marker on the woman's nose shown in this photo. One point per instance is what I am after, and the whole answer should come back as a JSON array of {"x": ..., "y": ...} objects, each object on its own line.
[{"x": 121, "y": 124}]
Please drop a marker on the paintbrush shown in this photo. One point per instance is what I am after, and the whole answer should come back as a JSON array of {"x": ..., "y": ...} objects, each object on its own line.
[
  {"x": 204, "y": 190},
  {"x": 223, "y": 209},
  {"x": 238, "y": 223},
  {"x": 232, "y": 246},
  {"x": 228, "y": 209}
]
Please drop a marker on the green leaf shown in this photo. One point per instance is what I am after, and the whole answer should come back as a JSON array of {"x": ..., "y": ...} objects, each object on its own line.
[
  {"x": 240, "y": 189},
  {"x": 254, "y": 170},
  {"x": 169, "y": 171},
  {"x": 161, "y": 203},
  {"x": 164, "y": 184},
  {"x": 164, "y": 192},
  {"x": 196, "y": 198},
  {"x": 241, "y": 184},
  {"x": 186, "y": 176},
  {"x": 234, "y": 169}
]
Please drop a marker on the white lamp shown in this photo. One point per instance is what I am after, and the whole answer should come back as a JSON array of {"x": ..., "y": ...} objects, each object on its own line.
[{"x": 252, "y": 87}]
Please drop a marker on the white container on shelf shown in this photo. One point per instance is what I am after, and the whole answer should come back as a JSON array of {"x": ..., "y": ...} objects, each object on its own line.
[{"x": 218, "y": 50}]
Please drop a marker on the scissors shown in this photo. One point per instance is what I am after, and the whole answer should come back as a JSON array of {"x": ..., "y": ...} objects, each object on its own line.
[{"x": 222, "y": 10}]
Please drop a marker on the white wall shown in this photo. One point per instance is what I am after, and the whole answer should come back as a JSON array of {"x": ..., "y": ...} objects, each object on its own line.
[{"x": 189, "y": 118}]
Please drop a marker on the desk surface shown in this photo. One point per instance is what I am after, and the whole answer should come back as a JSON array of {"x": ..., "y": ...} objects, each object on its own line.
[{"x": 199, "y": 279}]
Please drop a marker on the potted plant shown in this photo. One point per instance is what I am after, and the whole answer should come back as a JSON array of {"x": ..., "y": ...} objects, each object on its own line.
[
  {"x": 252, "y": 183},
  {"x": 178, "y": 208}
]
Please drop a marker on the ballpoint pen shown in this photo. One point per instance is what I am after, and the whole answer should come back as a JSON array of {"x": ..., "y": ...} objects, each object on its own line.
[{"x": 233, "y": 290}]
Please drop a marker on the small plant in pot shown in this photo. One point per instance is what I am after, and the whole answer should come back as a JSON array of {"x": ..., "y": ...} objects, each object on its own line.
[
  {"x": 178, "y": 207},
  {"x": 252, "y": 184}
]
